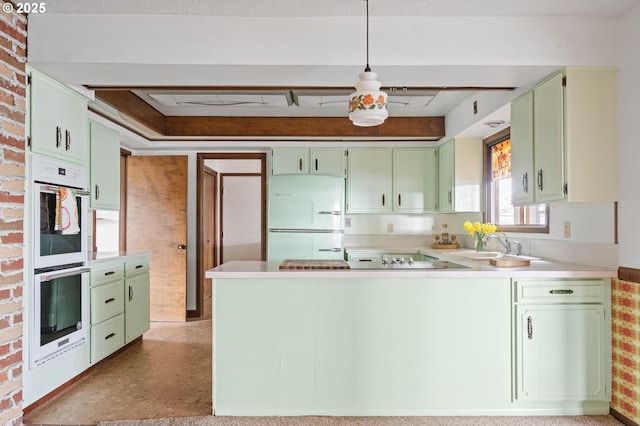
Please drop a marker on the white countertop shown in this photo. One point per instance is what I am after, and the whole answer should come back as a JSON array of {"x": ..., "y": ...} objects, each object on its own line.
[{"x": 478, "y": 269}]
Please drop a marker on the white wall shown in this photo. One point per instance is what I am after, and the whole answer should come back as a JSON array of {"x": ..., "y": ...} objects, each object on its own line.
[{"x": 628, "y": 142}]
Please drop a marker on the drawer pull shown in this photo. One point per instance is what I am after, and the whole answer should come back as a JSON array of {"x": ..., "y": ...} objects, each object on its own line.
[
  {"x": 141, "y": 266},
  {"x": 106, "y": 274},
  {"x": 529, "y": 328},
  {"x": 563, "y": 291},
  {"x": 109, "y": 300},
  {"x": 364, "y": 260},
  {"x": 109, "y": 336}
]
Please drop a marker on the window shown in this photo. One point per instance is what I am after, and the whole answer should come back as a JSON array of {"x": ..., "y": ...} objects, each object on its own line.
[{"x": 500, "y": 211}]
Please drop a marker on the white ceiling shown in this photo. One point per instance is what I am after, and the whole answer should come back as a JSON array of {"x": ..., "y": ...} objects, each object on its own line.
[{"x": 458, "y": 59}]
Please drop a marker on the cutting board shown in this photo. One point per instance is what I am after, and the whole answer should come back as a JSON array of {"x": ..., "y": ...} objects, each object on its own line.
[
  {"x": 300, "y": 264},
  {"x": 509, "y": 262}
]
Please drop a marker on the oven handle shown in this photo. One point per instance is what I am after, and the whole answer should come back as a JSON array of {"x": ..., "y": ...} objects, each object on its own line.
[
  {"x": 58, "y": 188},
  {"x": 53, "y": 275}
]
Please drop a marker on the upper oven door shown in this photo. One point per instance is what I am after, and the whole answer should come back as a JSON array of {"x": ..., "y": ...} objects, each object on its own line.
[{"x": 60, "y": 226}]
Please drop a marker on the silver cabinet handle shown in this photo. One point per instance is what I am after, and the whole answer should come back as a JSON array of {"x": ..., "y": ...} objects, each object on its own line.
[
  {"x": 58, "y": 136},
  {"x": 540, "y": 182},
  {"x": 67, "y": 140},
  {"x": 561, "y": 291},
  {"x": 332, "y": 212},
  {"x": 333, "y": 250},
  {"x": 130, "y": 293},
  {"x": 449, "y": 197},
  {"x": 97, "y": 191},
  {"x": 525, "y": 182},
  {"x": 529, "y": 328}
]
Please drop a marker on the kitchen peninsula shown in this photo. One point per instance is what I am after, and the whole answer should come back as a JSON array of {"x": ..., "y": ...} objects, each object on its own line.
[{"x": 478, "y": 340}]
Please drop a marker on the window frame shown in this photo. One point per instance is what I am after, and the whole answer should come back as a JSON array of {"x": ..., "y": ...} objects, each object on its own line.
[{"x": 486, "y": 169}]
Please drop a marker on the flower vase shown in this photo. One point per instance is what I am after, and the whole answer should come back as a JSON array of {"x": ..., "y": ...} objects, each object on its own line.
[{"x": 481, "y": 244}]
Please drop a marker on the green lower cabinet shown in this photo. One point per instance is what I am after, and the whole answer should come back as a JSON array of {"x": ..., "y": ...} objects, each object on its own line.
[
  {"x": 107, "y": 337},
  {"x": 106, "y": 309},
  {"x": 562, "y": 340},
  {"x": 137, "y": 299}
]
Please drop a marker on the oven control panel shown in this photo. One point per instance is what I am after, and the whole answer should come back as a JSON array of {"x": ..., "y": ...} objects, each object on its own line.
[{"x": 56, "y": 172}]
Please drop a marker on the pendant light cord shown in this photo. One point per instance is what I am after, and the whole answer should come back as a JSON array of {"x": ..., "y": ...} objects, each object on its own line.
[{"x": 367, "y": 68}]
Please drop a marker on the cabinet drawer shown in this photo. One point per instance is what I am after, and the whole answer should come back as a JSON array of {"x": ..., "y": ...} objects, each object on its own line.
[
  {"x": 560, "y": 291},
  {"x": 135, "y": 267},
  {"x": 106, "y": 273},
  {"x": 107, "y": 337},
  {"x": 106, "y": 301}
]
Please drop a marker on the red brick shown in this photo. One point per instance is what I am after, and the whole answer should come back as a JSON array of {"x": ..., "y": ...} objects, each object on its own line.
[
  {"x": 5, "y": 294},
  {"x": 17, "y": 398},
  {"x": 12, "y": 265},
  {"x": 17, "y": 344},
  {"x": 17, "y": 318},
  {"x": 5, "y": 404},
  {"x": 15, "y": 225},
  {"x": 18, "y": 116},
  {"x": 14, "y": 156},
  {"x": 10, "y": 360},
  {"x": 5, "y": 197},
  {"x": 10, "y": 279},
  {"x": 16, "y": 371},
  {"x": 12, "y": 238},
  {"x": 4, "y": 323},
  {"x": 5, "y": 349},
  {"x": 17, "y": 292},
  {"x": 13, "y": 142},
  {"x": 6, "y": 98},
  {"x": 10, "y": 60}
]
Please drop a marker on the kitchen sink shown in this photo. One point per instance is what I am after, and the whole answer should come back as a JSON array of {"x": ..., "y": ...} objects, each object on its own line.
[
  {"x": 482, "y": 255},
  {"x": 379, "y": 265}
]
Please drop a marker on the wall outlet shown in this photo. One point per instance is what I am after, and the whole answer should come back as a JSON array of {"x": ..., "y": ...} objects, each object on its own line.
[
  {"x": 390, "y": 227},
  {"x": 567, "y": 229},
  {"x": 347, "y": 222}
]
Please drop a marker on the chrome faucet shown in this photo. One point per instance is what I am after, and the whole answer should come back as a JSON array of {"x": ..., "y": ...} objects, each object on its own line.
[{"x": 510, "y": 247}]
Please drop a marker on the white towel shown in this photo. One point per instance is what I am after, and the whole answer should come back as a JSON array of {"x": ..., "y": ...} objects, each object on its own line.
[{"x": 67, "y": 212}]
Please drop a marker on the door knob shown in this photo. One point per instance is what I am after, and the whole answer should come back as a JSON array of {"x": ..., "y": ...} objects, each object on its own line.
[{"x": 182, "y": 246}]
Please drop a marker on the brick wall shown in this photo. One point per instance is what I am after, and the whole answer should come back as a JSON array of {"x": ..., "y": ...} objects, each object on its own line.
[{"x": 13, "y": 45}]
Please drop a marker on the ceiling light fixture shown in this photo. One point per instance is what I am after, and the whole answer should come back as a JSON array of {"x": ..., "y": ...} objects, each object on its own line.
[
  {"x": 368, "y": 105},
  {"x": 494, "y": 123}
]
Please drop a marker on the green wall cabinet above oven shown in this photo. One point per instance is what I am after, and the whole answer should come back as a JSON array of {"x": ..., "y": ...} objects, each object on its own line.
[
  {"x": 57, "y": 120},
  {"x": 105, "y": 167}
]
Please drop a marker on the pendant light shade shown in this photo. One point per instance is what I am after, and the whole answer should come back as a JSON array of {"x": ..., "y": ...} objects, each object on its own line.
[{"x": 368, "y": 104}]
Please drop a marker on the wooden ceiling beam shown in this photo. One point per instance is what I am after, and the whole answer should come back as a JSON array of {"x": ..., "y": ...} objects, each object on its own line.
[
  {"x": 317, "y": 127},
  {"x": 133, "y": 107}
]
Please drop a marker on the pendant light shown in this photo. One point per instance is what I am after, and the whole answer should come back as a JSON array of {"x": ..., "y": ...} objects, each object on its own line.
[{"x": 368, "y": 104}]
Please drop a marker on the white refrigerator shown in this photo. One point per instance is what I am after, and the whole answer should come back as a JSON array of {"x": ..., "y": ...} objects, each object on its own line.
[{"x": 306, "y": 217}]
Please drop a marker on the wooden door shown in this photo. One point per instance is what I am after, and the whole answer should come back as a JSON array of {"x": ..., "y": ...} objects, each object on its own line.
[
  {"x": 157, "y": 223},
  {"x": 208, "y": 257}
]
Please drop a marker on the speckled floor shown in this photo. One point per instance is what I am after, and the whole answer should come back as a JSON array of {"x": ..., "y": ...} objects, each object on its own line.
[{"x": 168, "y": 374}]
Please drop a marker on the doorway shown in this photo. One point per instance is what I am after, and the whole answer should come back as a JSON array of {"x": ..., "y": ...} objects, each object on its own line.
[{"x": 208, "y": 252}]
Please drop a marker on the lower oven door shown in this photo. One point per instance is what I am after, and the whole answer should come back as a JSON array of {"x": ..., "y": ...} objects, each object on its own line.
[{"x": 60, "y": 319}]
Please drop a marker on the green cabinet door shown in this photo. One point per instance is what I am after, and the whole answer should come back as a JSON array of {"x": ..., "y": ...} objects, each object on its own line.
[
  {"x": 561, "y": 352},
  {"x": 105, "y": 167},
  {"x": 369, "y": 180},
  {"x": 328, "y": 161},
  {"x": 57, "y": 120},
  {"x": 290, "y": 161},
  {"x": 522, "y": 175},
  {"x": 414, "y": 180},
  {"x": 137, "y": 306},
  {"x": 446, "y": 170},
  {"x": 548, "y": 133}
]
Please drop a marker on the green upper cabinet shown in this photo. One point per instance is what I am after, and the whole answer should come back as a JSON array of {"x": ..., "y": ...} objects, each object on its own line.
[
  {"x": 460, "y": 175},
  {"x": 369, "y": 180},
  {"x": 290, "y": 161},
  {"x": 548, "y": 155},
  {"x": 57, "y": 123},
  {"x": 105, "y": 167},
  {"x": 571, "y": 119},
  {"x": 328, "y": 161},
  {"x": 414, "y": 180},
  {"x": 303, "y": 161},
  {"x": 522, "y": 174}
]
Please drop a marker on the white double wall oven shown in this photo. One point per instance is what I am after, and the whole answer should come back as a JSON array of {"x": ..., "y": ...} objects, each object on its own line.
[{"x": 58, "y": 307}]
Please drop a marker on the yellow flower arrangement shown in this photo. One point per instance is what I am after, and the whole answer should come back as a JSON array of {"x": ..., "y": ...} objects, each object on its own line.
[{"x": 480, "y": 231}]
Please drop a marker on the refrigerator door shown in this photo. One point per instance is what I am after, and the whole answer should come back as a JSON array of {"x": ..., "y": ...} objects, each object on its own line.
[
  {"x": 303, "y": 202},
  {"x": 305, "y": 245}
]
